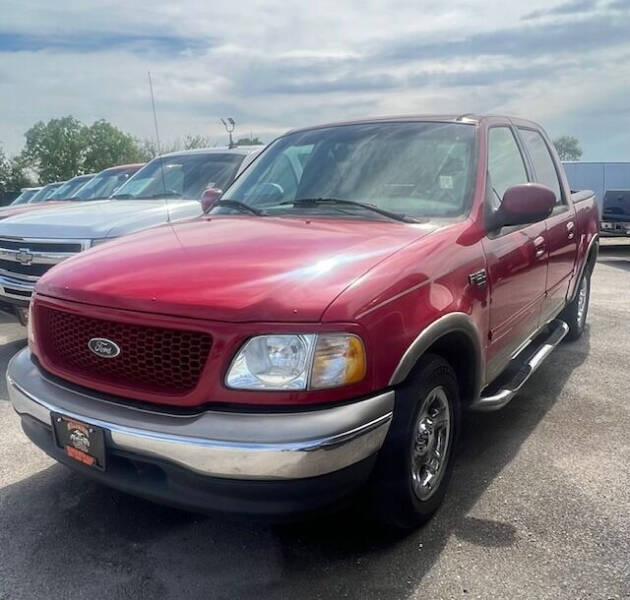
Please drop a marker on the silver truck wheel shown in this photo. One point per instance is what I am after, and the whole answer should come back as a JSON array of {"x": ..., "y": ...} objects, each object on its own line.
[
  {"x": 431, "y": 444},
  {"x": 416, "y": 460}
]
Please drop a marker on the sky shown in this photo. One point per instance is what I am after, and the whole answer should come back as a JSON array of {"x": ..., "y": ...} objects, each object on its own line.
[{"x": 277, "y": 64}]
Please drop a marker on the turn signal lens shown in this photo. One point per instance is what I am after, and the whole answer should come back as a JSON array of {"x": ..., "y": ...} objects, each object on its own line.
[
  {"x": 30, "y": 327},
  {"x": 339, "y": 359}
]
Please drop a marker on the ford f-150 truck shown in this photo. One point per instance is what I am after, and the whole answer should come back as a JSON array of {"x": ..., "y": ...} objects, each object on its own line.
[
  {"x": 320, "y": 331},
  {"x": 168, "y": 188}
]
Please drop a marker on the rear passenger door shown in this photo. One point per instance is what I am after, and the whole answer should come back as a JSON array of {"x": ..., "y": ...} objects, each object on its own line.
[
  {"x": 516, "y": 258},
  {"x": 561, "y": 236}
]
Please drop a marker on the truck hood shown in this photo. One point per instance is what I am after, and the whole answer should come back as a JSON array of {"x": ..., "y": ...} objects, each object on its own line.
[
  {"x": 95, "y": 219},
  {"x": 233, "y": 269},
  {"x": 11, "y": 211}
]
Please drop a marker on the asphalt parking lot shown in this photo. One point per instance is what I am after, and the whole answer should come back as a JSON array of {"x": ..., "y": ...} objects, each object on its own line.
[{"x": 539, "y": 506}]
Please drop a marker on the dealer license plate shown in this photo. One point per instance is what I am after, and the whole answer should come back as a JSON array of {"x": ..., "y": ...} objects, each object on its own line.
[{"x": 82, "y": 442}]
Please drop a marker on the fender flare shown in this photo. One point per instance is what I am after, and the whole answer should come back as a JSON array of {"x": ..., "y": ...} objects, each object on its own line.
[{"x": 453, "y": 322}]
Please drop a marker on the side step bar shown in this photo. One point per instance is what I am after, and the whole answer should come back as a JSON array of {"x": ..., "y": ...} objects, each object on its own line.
[{"x": 498, "y": 399}]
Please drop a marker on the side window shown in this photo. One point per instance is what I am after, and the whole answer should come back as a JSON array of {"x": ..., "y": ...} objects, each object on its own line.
[
  {"x": 542, "y": 161},
  {"x": 505, "y": 163}
]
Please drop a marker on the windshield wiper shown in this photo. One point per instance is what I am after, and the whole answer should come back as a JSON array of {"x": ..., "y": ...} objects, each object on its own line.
[
  {"x": 122, "y": 196},
  {"x": 381, "y": 211},
  {"x": 238, "y": 205}
]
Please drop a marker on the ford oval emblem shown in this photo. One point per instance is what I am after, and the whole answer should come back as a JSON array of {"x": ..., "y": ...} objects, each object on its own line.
[{"x": 104, "y": 348}]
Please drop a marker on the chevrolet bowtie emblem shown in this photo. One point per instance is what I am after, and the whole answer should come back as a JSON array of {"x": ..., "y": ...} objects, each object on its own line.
[{"x": 24, "y": 257}]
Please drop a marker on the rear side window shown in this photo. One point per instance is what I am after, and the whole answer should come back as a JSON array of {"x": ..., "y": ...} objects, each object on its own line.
[
  {"x": 505, "y": 163},
  {"x": 542, "y": 161}
]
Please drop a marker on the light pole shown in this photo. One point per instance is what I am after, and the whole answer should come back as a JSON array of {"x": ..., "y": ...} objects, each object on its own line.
[{"x": 229, "y": 127}]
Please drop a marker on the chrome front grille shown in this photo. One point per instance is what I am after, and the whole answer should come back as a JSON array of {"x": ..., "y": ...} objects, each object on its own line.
[{"x": 24, "y": 260}]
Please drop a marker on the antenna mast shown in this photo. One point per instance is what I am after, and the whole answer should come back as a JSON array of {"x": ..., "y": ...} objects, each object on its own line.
[
  {"x": 157, "y": 139},
  {"x": 155, "y": 122}
]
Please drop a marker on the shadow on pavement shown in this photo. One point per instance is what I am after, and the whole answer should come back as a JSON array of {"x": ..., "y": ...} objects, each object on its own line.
[
  {"x": 617, "y": 255},
  {"x": 61, "y": 534},
  {"x": 7, "y": 351}
]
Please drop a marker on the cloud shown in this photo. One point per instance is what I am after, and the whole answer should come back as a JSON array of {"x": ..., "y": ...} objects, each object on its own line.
[
  {"x": 524, "y": 41},
  {"x": 273, "y": 66},
  {"x": 136, "y": 43},
  {"x": 567, "y": 8}
]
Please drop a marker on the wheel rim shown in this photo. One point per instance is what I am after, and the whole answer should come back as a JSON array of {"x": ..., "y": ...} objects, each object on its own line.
[
  {"x": 430, "y": 446},
  {"x": 581, "y": 304}
]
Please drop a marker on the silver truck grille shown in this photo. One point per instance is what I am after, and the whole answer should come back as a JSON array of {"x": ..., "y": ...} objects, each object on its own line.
[{"x": 24, "y": 260}]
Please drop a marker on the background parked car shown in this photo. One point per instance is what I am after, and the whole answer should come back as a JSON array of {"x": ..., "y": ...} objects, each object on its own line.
[
  {"x": 166, "y": 189},
  {"x": 71, "y": 187},
  {"x": 26, "y": 194},
  {"x": 41, "y": 199},
  {"x": 611, "y": 182},
  {"x": 46, "y": 192},
  {"x": 104, "y": 184}
]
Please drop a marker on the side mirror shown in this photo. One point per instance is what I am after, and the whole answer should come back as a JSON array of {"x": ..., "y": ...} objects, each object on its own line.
[
  {"x": 209, "y": 198},
  {"x": 525, "y": 203}
]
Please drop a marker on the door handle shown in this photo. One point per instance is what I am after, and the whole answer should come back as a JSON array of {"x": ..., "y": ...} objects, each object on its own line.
[
  {"x": 570, "y": 230},
  {"x": 539, "y": 243}
]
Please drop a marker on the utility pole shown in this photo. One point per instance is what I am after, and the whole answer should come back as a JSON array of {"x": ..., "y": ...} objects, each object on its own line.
[{"x": 229, "y": 127}]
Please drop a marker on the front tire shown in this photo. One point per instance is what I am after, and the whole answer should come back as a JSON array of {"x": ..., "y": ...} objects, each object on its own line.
[{"x": 416, "y": 461}]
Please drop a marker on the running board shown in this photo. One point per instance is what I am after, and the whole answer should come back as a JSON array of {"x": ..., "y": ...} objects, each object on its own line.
[{"x": 557, "y": 330}]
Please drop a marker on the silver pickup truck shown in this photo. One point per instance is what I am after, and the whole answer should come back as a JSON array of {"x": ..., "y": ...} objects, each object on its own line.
[{"x": 168, "y": 188}]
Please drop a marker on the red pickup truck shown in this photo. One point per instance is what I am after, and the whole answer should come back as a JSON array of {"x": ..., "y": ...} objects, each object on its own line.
[{"x": 321, "y": 329}]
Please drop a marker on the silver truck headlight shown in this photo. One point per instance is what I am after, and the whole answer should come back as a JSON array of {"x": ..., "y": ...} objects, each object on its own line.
[
  {"x": 99, "y": 241},
  {"x": 298, "y": 362}
]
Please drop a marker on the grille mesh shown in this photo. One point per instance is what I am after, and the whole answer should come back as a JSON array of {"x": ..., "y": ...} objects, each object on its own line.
[{"x": 150, "y": 359}]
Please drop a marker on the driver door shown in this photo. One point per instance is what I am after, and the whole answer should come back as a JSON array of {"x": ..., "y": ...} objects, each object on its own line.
[{"x": 516, "y": 259}]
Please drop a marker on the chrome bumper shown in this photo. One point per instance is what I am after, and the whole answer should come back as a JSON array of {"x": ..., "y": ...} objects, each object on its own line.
[
  {"x": 17, "y": 288},
  {"x": 231, "y": 445}
]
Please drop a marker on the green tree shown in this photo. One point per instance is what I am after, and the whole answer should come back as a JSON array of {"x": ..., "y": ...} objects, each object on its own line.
[
  {"x": 568, "y": 147},
  {"x": 56, "y": 149},
  {"x": 107, "y": 146},
  {"x": 149, "y": 149},
  {"x": 13, "y": 175},
  {"x": 18, "y": 176},
  {"x": 250, "y": 141},
  {"x": 196, "y": 141}
]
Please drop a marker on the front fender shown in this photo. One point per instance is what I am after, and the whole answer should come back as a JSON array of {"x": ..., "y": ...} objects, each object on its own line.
[{"x": 457, "y": 322}]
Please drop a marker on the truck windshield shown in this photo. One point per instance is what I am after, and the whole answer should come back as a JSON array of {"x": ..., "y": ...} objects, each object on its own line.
[
  {"x": 45, "y": 193},
  {"x": 417, "y": 169},
  {"x": 181, "y": 176},
  {"x": 70, "y": 188},
  {"x": 25, "y": 196},
  {"x": 104, "y": 184}
]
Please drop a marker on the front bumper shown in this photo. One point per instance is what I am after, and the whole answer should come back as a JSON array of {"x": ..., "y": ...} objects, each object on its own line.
[
  {"x": 16, "y": 290},
  {"x": 615, "y": 228},
  {"x": 229, "y": 448}
]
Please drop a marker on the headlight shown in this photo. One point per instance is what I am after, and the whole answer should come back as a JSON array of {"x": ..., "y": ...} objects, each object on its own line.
[
  {"x": 100, "y": 241},
  {"x": 298, "y": 362}
]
